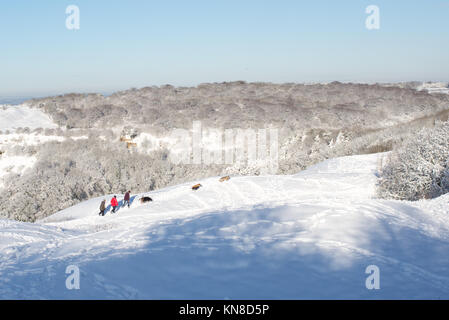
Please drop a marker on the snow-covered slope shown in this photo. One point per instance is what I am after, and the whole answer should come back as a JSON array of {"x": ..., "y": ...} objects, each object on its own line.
[
  {"x": 11, "y": 119},
  {"x": 22, "y": 116},
  {"x": 309, "y": 235}
]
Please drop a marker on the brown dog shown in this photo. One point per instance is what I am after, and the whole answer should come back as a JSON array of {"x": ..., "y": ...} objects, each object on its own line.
[
  {"x": 224, "y": 178},
  {"x": 197, "y": 186},
  {"x": 145, "y": 199}
]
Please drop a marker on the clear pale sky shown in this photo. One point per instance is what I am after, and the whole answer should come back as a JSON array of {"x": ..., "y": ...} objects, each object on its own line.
[{"x": 137, "y": 43}]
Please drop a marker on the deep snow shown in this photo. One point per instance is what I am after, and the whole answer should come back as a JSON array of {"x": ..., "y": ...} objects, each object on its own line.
[{"x": 309, "y": 235}]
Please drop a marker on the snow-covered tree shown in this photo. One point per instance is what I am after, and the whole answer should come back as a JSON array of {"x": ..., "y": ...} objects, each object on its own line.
[{"x": 419, "y": 168}]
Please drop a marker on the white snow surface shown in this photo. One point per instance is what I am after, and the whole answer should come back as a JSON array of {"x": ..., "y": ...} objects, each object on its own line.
[
  {"x": 22, "y": 116},
  {"x": 305, "y": 236}
]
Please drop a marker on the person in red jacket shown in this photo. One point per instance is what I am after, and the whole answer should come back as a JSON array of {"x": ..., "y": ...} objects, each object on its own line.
[{"x": 114, "y": 204}]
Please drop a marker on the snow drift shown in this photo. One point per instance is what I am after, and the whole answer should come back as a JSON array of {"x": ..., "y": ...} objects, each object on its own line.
[{"x": 309, "y": 235}]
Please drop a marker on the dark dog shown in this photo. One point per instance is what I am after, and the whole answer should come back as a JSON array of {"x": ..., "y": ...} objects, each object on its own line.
[
  {"x": 145, "y": 199},
  {"x": 197, "y": 186}
]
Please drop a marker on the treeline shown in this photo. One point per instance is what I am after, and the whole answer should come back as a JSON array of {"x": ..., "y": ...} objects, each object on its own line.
[{"x": 333, "y": 106}]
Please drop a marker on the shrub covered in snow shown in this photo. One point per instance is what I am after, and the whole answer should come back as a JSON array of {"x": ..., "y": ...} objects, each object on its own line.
[{"x": 418, "y": 169}]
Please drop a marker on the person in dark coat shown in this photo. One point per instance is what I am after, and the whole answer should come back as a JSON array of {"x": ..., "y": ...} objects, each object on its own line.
[
  {"x": 114, "y": 204},
  {"x": 127, "y": 198},
  {"x": 102, "y": 207}
]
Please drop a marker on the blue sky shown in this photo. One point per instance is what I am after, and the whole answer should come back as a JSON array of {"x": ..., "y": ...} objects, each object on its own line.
[{"x": 136, "y": 43}]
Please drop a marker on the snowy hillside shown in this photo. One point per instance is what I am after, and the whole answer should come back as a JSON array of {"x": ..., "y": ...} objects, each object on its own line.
[
  {"x": 23, "y": 130},
  {"x": 309, "y": 235},
  {"x": 13, "y": 117},
  {"x": 149, "y": 129}
]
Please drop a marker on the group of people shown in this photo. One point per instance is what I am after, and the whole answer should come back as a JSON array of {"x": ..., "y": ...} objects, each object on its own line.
[{"x": 114, "y": 203}]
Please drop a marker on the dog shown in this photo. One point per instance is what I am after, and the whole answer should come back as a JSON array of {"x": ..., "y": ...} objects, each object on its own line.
[
  {"x": 224, "y": 178},
  {"x": 197, "y": 186},
  {"x": 145, "y": 199}
]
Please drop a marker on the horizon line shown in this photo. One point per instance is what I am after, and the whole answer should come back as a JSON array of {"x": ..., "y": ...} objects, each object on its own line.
[{"x": 20, "y": 98}]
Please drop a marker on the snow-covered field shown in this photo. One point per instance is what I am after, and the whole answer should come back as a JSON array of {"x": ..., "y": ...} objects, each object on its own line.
[
  {"x": 309, "y": 235},
  {"x": 22, "y": 116}
]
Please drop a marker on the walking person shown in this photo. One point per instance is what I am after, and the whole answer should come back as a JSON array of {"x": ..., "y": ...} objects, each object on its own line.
[
  {"x": 102, "y": 207},
  {"x": 127, "y": 198},
  {"x": 114, "y": 204}
]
